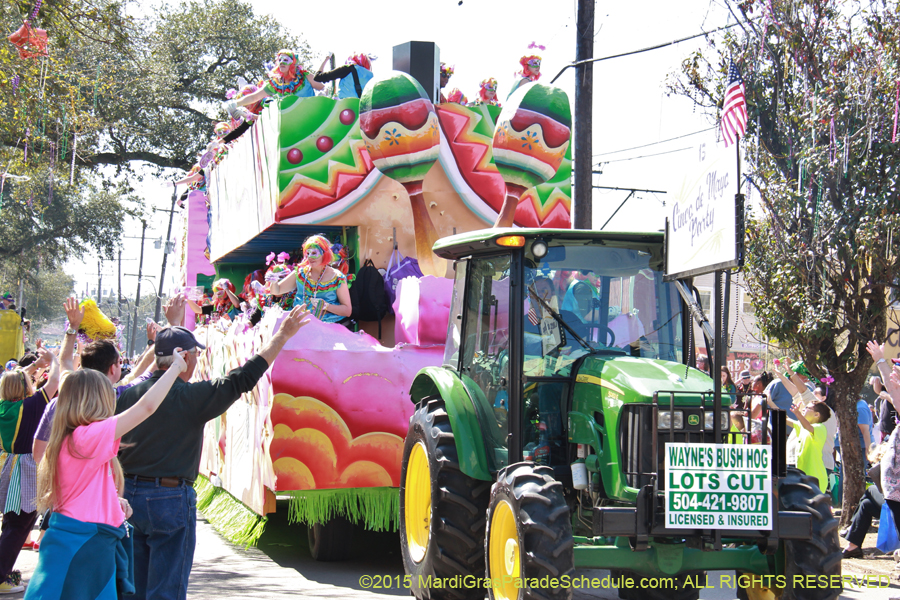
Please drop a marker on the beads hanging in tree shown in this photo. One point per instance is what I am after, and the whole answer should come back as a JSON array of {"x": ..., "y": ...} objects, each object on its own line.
[{"x": 896, "y": 107}]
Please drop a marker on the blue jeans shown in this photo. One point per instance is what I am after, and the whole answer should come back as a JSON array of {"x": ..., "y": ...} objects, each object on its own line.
[{"x": 165, "y": 533}]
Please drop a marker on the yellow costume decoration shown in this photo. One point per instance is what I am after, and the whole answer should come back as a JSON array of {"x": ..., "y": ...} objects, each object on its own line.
[{"x": 95, "y": 324}]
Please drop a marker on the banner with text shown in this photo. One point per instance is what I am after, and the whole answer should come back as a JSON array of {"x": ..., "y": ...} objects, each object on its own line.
[
  {"x": 718, "y": 486},
  {"x": 700, "y": 228}
]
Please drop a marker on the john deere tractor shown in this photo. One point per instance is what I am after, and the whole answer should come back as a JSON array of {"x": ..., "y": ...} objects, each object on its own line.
[{"x": 539, "y": 446}]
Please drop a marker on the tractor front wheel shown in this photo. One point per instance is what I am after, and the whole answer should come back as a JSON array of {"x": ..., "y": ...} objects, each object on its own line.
[
  {"x": 817, "y": 556},
  {"x": 442, "y": 510},
  {"x": 529, "y": 535}
]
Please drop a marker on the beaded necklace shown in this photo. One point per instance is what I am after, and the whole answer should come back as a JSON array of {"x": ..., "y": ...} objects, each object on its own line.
[{"x": 315, "y": 288}]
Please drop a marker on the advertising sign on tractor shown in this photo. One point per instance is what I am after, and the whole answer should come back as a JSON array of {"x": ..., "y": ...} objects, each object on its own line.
[{"x": 718, "y": 486}]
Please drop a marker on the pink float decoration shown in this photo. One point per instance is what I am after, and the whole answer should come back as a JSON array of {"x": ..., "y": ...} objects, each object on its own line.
[{"x": 423, "y": 309}]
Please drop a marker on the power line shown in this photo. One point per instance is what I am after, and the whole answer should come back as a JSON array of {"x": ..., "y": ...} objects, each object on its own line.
[
  {"x": 644, "y": 156},
  {"x": 655, "y": 143},
  {"x": 647, "y": 49}
]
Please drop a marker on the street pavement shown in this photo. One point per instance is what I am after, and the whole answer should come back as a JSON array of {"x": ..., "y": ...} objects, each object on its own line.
[{"x": 281, "y": 567}]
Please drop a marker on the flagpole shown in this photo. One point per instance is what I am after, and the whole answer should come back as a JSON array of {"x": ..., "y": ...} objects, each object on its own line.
[{"x": 737, "y": 152}]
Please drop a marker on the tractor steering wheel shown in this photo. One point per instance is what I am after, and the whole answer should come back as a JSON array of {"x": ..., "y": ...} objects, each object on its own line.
[{"x": 611, "y": 335}]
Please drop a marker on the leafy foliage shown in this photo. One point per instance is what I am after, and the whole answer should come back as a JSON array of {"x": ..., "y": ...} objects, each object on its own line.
[
  {"x": 131, "y": 90},
  {"x": 36, "y": 229},
  {"x": 821, "y": 260}
]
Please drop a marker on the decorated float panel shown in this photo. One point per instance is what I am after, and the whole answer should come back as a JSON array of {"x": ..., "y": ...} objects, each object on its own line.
[
  {"x": 327, "y": 421},
  {"x": 305, "y": 161}
]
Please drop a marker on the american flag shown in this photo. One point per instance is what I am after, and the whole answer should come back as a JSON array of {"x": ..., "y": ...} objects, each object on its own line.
[
  {"x": 533, "y": 316},
  {"x": 734, "y": 109}
]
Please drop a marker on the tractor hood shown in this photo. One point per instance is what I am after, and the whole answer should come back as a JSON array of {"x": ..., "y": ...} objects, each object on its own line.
[{"x": 629, "y": 379}]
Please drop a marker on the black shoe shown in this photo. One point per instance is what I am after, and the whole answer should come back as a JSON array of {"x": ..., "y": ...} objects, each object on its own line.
[{"x": 855, "y": 553}]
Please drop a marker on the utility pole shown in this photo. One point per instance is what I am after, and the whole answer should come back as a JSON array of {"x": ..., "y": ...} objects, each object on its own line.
[
  {"x": 99, "y": 283},
  {"x": 162, "y": 274},
  {"x": 120, "y": 281},
  {"x": 137, "y": 300},
  {"x": 584, "y": 100}
]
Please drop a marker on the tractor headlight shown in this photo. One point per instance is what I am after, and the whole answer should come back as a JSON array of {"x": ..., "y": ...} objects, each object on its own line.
[
  {"x": 710, "y": 419},
  {"x": 665, "y": 418}
]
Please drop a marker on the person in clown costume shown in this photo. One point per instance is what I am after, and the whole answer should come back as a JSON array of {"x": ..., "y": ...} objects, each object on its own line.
[
  {"x": 353, "y": 76},
  {"x": 457, "y": 97},
  {"x": 487, "y": 92},
  {"x": 446, "y": 74},
  {"x": 320, "y": 287},
  {"x": 287, "y": 78},
  {"x": 531, "y": 69}
]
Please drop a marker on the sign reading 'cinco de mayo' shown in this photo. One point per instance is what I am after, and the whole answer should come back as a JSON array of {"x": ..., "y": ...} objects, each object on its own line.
[{"x": 702, "y": 224}]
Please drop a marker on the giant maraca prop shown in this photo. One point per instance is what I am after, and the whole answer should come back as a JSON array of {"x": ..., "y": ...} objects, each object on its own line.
[
  {"x": 530, "y": 142},
  {"x": 400, "y": 129}
]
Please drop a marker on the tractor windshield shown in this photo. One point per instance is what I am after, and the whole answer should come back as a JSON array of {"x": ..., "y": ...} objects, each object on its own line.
[{"x": 597, "y": 298}]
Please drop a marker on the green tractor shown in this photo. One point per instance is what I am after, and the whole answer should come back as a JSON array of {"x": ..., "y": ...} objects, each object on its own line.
[{"x": 539, "y": 446}]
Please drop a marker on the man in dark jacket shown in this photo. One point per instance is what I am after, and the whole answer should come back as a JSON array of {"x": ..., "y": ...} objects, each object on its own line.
[{"x": 161, "y": 456}]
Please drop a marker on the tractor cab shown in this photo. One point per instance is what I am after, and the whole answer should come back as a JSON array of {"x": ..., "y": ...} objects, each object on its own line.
[{"x": 541, "y": 308}]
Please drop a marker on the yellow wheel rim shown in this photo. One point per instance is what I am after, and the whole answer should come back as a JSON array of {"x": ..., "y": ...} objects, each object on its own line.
[
  {"x": 758, "y": 592},
  {"x": 417, "y": 502},
  {"x": 504, "y": 555}
]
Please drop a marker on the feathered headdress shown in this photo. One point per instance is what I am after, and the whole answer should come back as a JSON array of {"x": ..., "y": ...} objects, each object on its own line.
[
  {"x": 447, "y": 70},
  {"x": 362, "y": 59},
  {"x": 95, "y": 325}
]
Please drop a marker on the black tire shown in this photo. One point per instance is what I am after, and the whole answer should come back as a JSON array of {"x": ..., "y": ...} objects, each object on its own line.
[
  {"x": 678, "y": 591},
  {"x": 819, "y": 555},
  {"x": 543, "y": 528},
  {"x": 455, "y": 545},
  {"x": 331, "y": 541}
]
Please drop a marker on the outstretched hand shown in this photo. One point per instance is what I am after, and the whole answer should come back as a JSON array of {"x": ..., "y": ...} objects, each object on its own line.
[
  {"x": 45, "y": 357},
  {"x": 297, "y": 318},
  {"x": 74, "y": 313},
  {"x": 152, "y": 329},
  {"x": 875, "y": 349},
  {"x": 174, "y": 310}
]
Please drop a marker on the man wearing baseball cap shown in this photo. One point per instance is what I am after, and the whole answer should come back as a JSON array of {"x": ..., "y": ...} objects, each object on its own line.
[{"x": 161, "y": 456}]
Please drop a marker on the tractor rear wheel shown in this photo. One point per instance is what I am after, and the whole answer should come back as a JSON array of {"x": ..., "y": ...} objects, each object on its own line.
[
  {"x": 331, "y": 541},
  {"x": 442, "y": 510},
  {"x": 529, "y": 535},
  {"x": 819, "y": 555}
]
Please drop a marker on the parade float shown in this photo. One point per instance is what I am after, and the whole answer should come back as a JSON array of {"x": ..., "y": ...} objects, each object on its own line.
[{"x": 385, "y": 174}]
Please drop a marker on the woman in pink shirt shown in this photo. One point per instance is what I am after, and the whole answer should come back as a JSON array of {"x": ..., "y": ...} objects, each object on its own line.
[{"x": 80, "y": 479}]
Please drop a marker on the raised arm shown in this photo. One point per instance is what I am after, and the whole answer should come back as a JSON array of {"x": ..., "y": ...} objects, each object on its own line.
[
  {"x": 151, "y": 400},
  {"x": 251, "y": 98},
  {"x": 75, "y": 315},
  {"x": 892, "y": 384},
  {"x": 174, "y": 310},
  {"x": 276, "y": 286},
  {"x": 797, "y": 407},
  {"x": 787, "y": 383},
  {"x": 296, "y": 319},
  {"x": 234, "y": 299},
  {"x": 53, "y": 378},
  {"x": 325, "y": 61}
]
